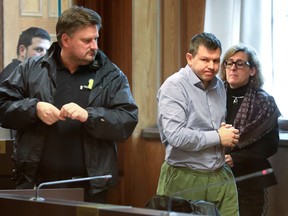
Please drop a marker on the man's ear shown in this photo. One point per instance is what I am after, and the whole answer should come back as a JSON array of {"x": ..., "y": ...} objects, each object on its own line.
[
  {"x": 22, "y": 52},
  {"x": 189, "y": 58},
  {"x": 64, "y": 40}
]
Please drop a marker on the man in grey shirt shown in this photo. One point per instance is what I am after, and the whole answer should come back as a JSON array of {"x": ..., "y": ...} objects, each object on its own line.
[{"x": 192, "y": 109}]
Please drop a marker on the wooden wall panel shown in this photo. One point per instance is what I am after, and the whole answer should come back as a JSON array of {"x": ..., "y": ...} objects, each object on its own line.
[
  {"x": 180, "y": 21},
  {"x": 115, "y": 36},
  {"x": 145, "y": 61},
  {"x": 177, "y": 21},
  {"x": 116, "y": 42},
  {"x": 171, "y": 37}
]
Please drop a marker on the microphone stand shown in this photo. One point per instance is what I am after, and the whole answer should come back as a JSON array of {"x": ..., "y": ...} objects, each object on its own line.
[{"x": 37, "y": 198}]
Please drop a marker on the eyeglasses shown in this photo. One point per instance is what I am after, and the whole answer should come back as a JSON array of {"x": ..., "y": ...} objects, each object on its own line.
[{"x": 240, "y": 64}]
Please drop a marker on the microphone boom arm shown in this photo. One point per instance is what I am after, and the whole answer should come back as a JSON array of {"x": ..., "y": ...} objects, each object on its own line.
[{"x": 37, "y": 198}]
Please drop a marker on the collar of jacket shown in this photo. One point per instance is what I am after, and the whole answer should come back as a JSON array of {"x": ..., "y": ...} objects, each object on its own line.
[
  {"x": 102, "y": 64},
  {"x": 100, "y": 61}
]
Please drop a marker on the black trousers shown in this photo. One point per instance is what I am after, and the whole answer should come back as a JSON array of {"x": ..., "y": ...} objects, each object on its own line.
[{"x": 251, "y": 203}]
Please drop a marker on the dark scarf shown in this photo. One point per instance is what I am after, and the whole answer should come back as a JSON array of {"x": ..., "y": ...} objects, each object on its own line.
[{"x": 257, "y": 115}]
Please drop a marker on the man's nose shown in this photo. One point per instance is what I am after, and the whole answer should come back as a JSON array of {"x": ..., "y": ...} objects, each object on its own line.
[{"x": 94, "y": 45}]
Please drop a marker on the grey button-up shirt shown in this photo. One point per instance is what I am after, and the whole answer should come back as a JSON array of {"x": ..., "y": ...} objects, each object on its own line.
[{"x": 188, "y": 118}]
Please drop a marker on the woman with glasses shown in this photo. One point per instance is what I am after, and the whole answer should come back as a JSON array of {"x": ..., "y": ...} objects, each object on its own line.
[{"x": 254, "y": 112}]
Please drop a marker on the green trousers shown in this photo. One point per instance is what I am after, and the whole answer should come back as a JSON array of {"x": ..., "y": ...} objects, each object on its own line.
[{"x": 218, "y": 187}]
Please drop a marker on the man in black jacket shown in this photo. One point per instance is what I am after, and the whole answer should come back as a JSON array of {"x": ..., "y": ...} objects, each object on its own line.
[
  {"x": 70, "y": 109},
  {"x": 33, "y": 41}
]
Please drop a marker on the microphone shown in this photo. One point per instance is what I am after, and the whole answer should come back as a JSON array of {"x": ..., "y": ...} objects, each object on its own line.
[
  {"x": 254, "y": 174},
  {"x": 38, "y": 198},
  {"x": 202, "y": 187}
]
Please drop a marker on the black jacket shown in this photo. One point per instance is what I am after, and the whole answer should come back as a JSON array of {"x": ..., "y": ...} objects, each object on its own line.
[
  {"x": 254, "y": 158},
  {"x": 112, "y": 113},
  {"x": 8, "y": 69}
]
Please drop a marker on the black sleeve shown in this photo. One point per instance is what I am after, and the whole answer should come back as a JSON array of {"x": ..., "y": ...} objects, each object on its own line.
[{"x": 265, "y": 147}]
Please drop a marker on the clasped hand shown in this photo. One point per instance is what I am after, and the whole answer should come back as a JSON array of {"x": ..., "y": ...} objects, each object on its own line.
[
  {"x": 50, "y": 114},
  {"x": 229, "y": 136}
]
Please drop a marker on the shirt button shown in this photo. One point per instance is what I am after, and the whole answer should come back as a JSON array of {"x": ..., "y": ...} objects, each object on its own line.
[{"x": 102, "y": 120}]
